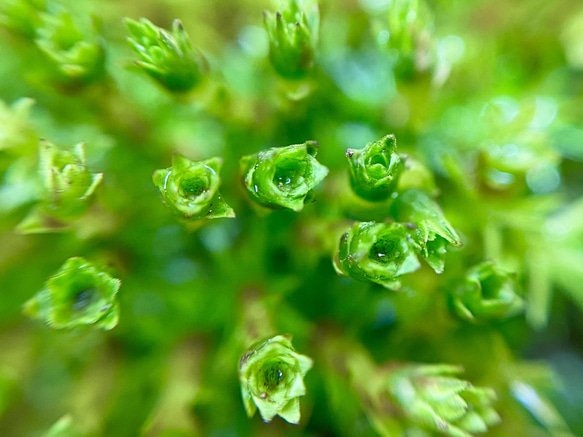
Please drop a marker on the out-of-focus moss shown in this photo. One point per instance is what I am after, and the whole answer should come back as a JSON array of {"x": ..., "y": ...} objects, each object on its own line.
[{"x": 485, "y": 101}]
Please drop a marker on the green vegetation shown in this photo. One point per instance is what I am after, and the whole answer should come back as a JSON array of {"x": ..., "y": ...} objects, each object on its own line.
[{"x": 185, "y": 186}]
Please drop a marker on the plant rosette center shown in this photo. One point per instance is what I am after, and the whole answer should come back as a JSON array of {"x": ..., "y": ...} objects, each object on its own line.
[
  {"x": 289, "y": 177},
  {"x": 191, "y": 188},
  {"x": 377, "y": 252},
  {"x": 81, "y": 298},
  {"x": 195, "y": 189},
  {"x": 282, "y": 177},
  {"x": 77, "y": 295},
  {"x": 272, "y": 379}
]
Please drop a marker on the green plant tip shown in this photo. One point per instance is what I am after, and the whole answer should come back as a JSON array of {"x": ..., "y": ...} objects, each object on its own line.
[
  {"x": 432, "y": 397},
  {"x": 375, "y": 170},
  {"x": 191, "y": 189},
  {"x": 432, "y": 233},
  {"x": 293, "y": 35},
  {"x": 376, "y": 252},
  {"x": 79, "y": 55},
  {"x": 67, "y": 184},
  {"x": 168, "y": 57},
  {"x": 272, "y": 379},
  {"x": 486, "y": 293},
  {"x": 282, "y": 177},
  {"x": 79, "y": 294}
]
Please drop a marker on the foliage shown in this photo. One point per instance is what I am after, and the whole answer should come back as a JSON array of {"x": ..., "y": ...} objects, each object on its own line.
[
  {"x": 191, "y": 189},
  {"x": 431, "y": 289}
]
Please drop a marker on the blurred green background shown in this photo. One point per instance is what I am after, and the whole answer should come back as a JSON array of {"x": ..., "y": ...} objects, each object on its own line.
[{"x": 490, "y": 99}]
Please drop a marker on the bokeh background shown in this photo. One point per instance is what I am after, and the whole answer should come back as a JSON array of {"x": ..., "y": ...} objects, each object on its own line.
[{"x": 491, "y": 102}]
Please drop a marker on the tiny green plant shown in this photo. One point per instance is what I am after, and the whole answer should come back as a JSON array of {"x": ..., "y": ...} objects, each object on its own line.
[
  {"x": 377, "y": 252},
  {"x": 375, "y": 170},
  {"x": 167, "y": 57},
  {"x": 396, "y": 184},
  {"x": 67, "y": 187},
  {"x": 433, "y": 397},
  {"x": 432, "y": 233},
  {"x": 486, "y": 293},
  {"x": 78, "y": 56},
  {"x": 293, "y": 36},
  {"x": 272, "y": 379},
  {"x": 283, "y": 177},
  {"x": 191, "y": 189},
  {"x": 79, "y": 294}
]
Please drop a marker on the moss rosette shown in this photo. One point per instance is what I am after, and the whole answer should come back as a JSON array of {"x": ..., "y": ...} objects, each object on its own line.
[
  {"x": 433, "y": 398},
  {"x": 191, "y": 189},
  {"x": 272, "y": 379},
  {"x": 168, "y": 57},
  {"x": 377, "y": 252},
  {"x": 77, "y": 295},
  {"x": 293, "y": 35},
  {"x": 283, "y": 177},
  {"x": 78, "y": 53},
  {"x": 487, "y": 293},
  {"x": 375, "y": 169},
  {"x": 432, "y": 232},
  {"x": 67, "y": 182}
]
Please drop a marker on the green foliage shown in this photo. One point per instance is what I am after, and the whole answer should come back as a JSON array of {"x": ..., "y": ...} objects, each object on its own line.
[
  {"x": 66, "y": 188},
  {"x": 375, "y": 170},
  {"x": 486, "y": 293},
  {"x": 62, "y": 428},
  {"x": 22, "y": 16},
  {"x": 77, "y": 295},
  {"x": 272, "y": 379},
  {"x": 293, "y": 36},
  {"x": 431, "y": 231},
  {"x": 432, "y": 397},
  {"x": 376, "y": 252},
  {"x": 392, "y": 269},
  {"x": 409, "y": 25},
  {"x": 77, "y": 54},
  {"x": 14, "y": 125},
  {"x": 191, "y": 189},
  {"x": 283, "y": 177},
  {"x": 167, "y": 57}
]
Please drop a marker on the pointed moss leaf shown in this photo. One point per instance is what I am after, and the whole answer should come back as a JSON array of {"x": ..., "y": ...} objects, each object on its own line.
[
  {"x": 375, "y": 170},
  {"x": 168, "y": 57},
  {"x": 429, "y": 397},
  {"x": 473, "y": 423},
  {"x": 37, "y": 221},
  {"x": 485, "y": 294},
  {"x": 446, "y": 387},
  {"x": 293, "y": 35},
  {"x": 79, "y": 294},
  {"x": 22, "y": 16},
  {"x": 15, "y": 130},
  {"x": 282, "y": 177},
  {"x": 291, "y": 412},
  {"x": 77, "y": 51},
  {"x": 433, "y": 233},
  {"x": 272, "y": 379},
  {"x": 377, "y": 252},
  {"x": 62, "y": 428},
  {"x": 191, "y": 189}
]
